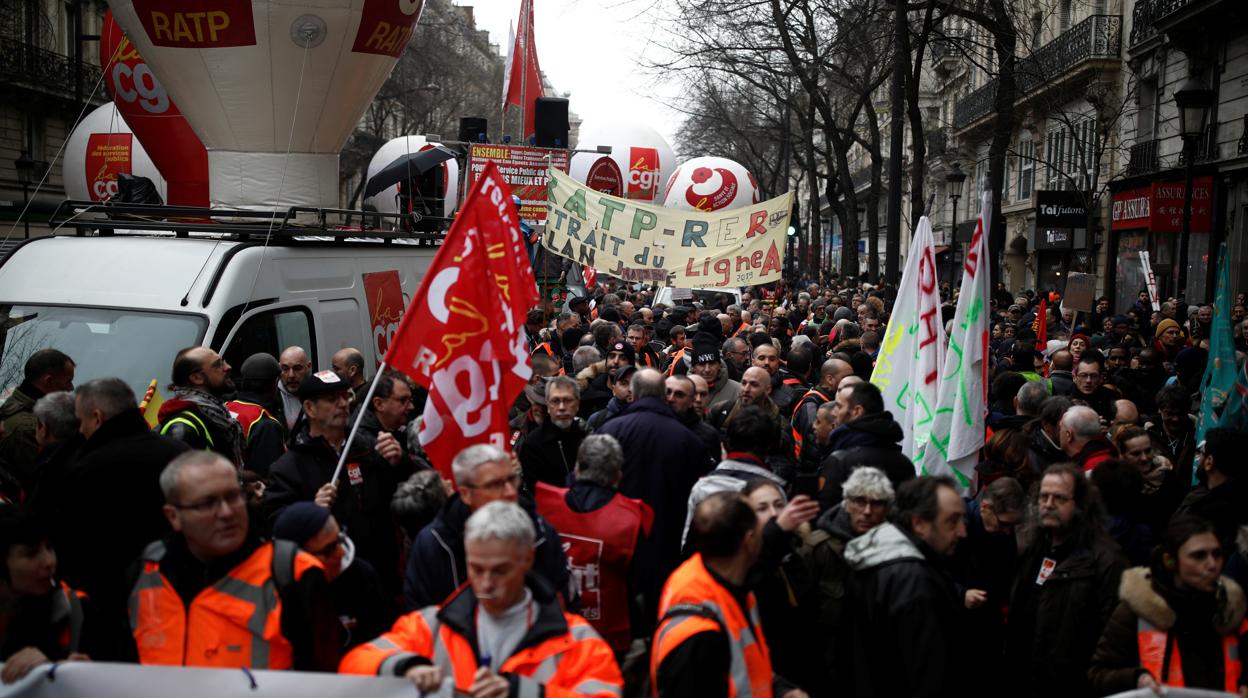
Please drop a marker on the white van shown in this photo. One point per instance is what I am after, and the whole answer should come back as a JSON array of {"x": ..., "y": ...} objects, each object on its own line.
[
  {"x": 710, "y": 297},
  {"x": 123, "y": 303}
]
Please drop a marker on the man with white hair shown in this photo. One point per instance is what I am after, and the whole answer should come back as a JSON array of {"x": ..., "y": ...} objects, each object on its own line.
[
  {"x": 868, "y": 496},
  {"x": 1083, "y": 438},
  {"x": 504, "y": 634},
  {"x": 436, "y": 565}
]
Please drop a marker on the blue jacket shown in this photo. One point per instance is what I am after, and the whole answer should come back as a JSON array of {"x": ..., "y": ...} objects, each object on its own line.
[{"x": 436, "y": 565}]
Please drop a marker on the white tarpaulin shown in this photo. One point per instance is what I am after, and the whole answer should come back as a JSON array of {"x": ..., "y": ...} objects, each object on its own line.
[{"x": 102, "y": 679}]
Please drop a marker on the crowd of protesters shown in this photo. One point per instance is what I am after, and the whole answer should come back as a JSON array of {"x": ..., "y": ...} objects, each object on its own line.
[{"x": 707, "y": 499}]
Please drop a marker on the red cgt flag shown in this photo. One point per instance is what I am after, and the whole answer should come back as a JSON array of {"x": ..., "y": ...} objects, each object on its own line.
[
  {"x": 523, "y": 82},
  {"x": 461, "y": 336}
]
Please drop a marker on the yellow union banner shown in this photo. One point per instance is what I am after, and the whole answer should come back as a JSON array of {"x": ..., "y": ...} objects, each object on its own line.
[{"x": 687, "y": 249}]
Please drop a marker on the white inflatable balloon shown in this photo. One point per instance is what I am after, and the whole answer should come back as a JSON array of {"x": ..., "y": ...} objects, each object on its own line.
[
  {"x": 259, "y": 78},
  {"x": 711, "y": 184},
  {"x": 101, "y": 147},
  {"x": 640, "y": 162},
  {"x": 386, "y": 200}
]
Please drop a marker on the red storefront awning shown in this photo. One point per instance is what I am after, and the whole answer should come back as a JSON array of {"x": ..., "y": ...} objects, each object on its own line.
[{"x": 1158, "y": 207}]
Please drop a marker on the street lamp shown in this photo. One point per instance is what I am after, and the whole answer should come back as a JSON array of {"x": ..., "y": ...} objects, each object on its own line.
[
  {"x": 1194, "y": 99},
  {"x": 954, "y": 179},
  {"x": 25, "y": 168}
]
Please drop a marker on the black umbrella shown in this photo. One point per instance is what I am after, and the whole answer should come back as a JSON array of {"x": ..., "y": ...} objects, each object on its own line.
[{"x": 405, "y": 167}]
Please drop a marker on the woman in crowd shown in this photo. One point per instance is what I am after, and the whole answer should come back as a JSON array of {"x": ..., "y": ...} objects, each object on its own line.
[{"x": 1179, "y": 623}]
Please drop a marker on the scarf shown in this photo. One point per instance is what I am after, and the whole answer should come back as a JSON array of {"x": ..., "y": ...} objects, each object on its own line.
[{"x": 212, "y": 409}]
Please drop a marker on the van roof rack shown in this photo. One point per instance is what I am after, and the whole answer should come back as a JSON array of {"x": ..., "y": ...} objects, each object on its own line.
[{"x": 293, "y": 223}]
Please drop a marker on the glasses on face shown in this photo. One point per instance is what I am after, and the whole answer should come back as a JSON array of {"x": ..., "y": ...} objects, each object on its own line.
[
  {"x": 561, "y": 400},
  {"x": 406, "y": 400},
  {"x": 209, "y": 505},
  {"x": 332, "y": 548},
  {"x": 864, "y": 502},
  {"x": 498, "y": 486},
  {"x": 1083, "y": 376}
]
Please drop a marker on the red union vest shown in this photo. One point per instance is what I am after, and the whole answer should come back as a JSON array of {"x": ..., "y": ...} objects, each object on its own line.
[
  {"x": 599, "y": 545},
  {"x": 247, "y": 414},
  {"x": 1155, "y": 642}
]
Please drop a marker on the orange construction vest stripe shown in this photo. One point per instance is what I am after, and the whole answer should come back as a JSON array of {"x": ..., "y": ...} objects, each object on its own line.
[
  {"x": 797, "y": 435},
  {"x": 691, "y": 584},
  {"x": 1153, "y": 643},
  {"x": 578, "y": 662},
  {"x": 676, "y": 358},
  {"x": 233, "y": 623}
]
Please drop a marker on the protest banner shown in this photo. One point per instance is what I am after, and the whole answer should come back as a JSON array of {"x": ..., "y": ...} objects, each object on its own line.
[
  {"x": 912, "y": 352},
  {"x": 1080, "y": 292},
  {"x": 635, "y": 241},
  {"x": 523, "y": 169},
  {"x": 958, "y": 426},
  {"x": 89, "y": 679}
]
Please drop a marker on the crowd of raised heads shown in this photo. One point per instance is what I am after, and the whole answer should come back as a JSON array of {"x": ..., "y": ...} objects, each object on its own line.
[{"x": 698, "y": 499}]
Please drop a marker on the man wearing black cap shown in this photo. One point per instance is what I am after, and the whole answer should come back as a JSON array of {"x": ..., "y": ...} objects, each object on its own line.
[
  {"x": 597, "y": 393},
  {"x": 353, "y": 583},
  {"x": 707, "y": 363},
  {"x": 264, "y": 435},
  {"x": 360, "y": 498}
]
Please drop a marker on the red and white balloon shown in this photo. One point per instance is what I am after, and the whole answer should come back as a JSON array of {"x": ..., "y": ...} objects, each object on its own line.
[
  {"x": 100, "y": 148},
  {"x": 711, "y": 184}
]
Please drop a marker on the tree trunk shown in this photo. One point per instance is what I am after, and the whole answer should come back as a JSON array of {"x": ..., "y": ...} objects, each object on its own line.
[
  {"x": 897, "y": 142},
  {"x": 1003, "y": 129}
]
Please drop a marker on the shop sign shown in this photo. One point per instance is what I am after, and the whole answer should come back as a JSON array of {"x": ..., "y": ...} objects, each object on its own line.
[
  {"x": 1054, "y": 238},
  {"x": 1158, "y": 207},
  {"x": 1061, "y": 209}
]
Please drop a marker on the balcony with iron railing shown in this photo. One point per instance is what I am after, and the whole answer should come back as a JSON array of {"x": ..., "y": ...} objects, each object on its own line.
[
  {"x": 49, "y": 72},
  {"x": 1096, "y": 38},
  {"x": 1143, "y": 158},
  {"x": 1152, "y": 16}
]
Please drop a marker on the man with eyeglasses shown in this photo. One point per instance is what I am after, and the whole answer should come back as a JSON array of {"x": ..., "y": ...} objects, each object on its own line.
[
  {"x": 195, "y": 413},
  {"x": 548, "y": 453},
  {"x": 203, "y": 595},
  {"x": 1065, "y": 588},
  {"x": 1090, "y": 385},
  {"x": 360, "y": 498},
  {"x": 353, "y": 583},
  {"x": 436, "y": 564},
  {"x": 868, "y": 497}
]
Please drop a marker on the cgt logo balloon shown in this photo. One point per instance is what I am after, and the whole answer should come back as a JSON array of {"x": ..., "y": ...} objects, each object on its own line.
[
  {"x": 711, "y": 184},
  {"x": 643, "y": 173}
]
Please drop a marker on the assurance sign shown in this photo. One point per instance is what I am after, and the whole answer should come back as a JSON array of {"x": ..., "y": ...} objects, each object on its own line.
[{"x": 688, "y": 249}]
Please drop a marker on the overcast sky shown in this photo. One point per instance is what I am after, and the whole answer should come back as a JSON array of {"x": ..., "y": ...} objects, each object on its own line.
[{"x": 592, "y": 49}]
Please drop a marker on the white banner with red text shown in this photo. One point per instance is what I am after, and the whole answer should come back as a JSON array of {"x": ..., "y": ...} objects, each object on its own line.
[{"x": 642, "y": 242}]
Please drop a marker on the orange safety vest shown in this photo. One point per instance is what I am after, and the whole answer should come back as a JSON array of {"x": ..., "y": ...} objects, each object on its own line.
[
  {"x": 599, "y": 545},
  {"x": 234, "y": 623},
  {"x": 574, "y": 662},
  {"x": 1155, "y": 644},
  {"x": 247, "y": 414},
  {"x": 691, "y": 585},
  {"x": 797, "y": 435},
  {"x": 675, "y": 359}
]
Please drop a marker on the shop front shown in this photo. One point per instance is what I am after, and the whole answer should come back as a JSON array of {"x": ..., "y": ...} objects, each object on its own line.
[
  {"x": 1150, "y": 218},
  {"x": 1059, "y": 238}
]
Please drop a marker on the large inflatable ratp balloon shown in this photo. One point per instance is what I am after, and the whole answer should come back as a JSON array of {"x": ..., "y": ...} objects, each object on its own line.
[
  {"x": 154, "y": 118},
  {"x": 640, "y": 161},
  {"x": 273, "y": 88},
  {"x": 711, "y": 184},
  {"x": 101, "y": 147}
]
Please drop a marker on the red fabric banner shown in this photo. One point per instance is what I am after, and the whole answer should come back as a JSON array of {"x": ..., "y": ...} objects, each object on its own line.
[
  {"x": 524, "y": 81},
  {"x": 462, "y": 335}
]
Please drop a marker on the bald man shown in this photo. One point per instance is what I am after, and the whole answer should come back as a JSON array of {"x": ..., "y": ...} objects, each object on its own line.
[
  {"x": 348, "y": 363},
  {"x": 803, "y": 418},
  {"x": 295, "y": 364}
]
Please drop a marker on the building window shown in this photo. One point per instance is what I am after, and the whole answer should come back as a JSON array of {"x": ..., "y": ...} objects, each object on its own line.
[
  {"x": 1064, "y": 15},
  {"x": 1037, "y": 28},
  {"x": 1055, "y": 157},
  {"x": 1026, "y": 166}
]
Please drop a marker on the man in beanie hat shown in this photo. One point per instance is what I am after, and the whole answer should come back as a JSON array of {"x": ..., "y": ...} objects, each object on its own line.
[
  {"x": 264, "y": 435},
  {"x": 706, "y": 362},
  {"x": 353, "y": 583},
  {"x": 360, "y": 497},
  {"x": 1168, "y": 339},
  {"x": 621, "y": 396}
]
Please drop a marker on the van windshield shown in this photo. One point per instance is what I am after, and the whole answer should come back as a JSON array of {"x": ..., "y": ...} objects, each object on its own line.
[{"x": 133, "y": 345}]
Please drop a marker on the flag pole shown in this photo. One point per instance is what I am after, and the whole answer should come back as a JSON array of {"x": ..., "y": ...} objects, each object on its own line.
[
  {"x": 524, "y": 69},
  {"x": 368, "y": 399}
]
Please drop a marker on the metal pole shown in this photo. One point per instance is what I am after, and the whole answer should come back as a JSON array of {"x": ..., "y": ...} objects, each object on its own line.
[
  {"x": 26, "y": 209},
  {"x": 525, "y": 9},
  {"x": 1189, "y": 154},
  {"x": 953, "y": 242},
  {"x": 368, "y": 400}
]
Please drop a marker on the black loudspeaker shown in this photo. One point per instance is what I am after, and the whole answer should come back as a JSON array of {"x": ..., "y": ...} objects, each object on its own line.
[
  {"x": 473, "y": 129},
  {"x": 551, "y": 120}
]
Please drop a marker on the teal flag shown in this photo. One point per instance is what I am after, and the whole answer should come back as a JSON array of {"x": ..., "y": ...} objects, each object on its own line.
[{"x": 1221, "y": 377}]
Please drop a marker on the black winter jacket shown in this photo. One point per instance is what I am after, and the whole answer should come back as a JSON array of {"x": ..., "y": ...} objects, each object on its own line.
[
  {"x": 874, "y": 440},
  {"x": 548, "y": 454}
]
